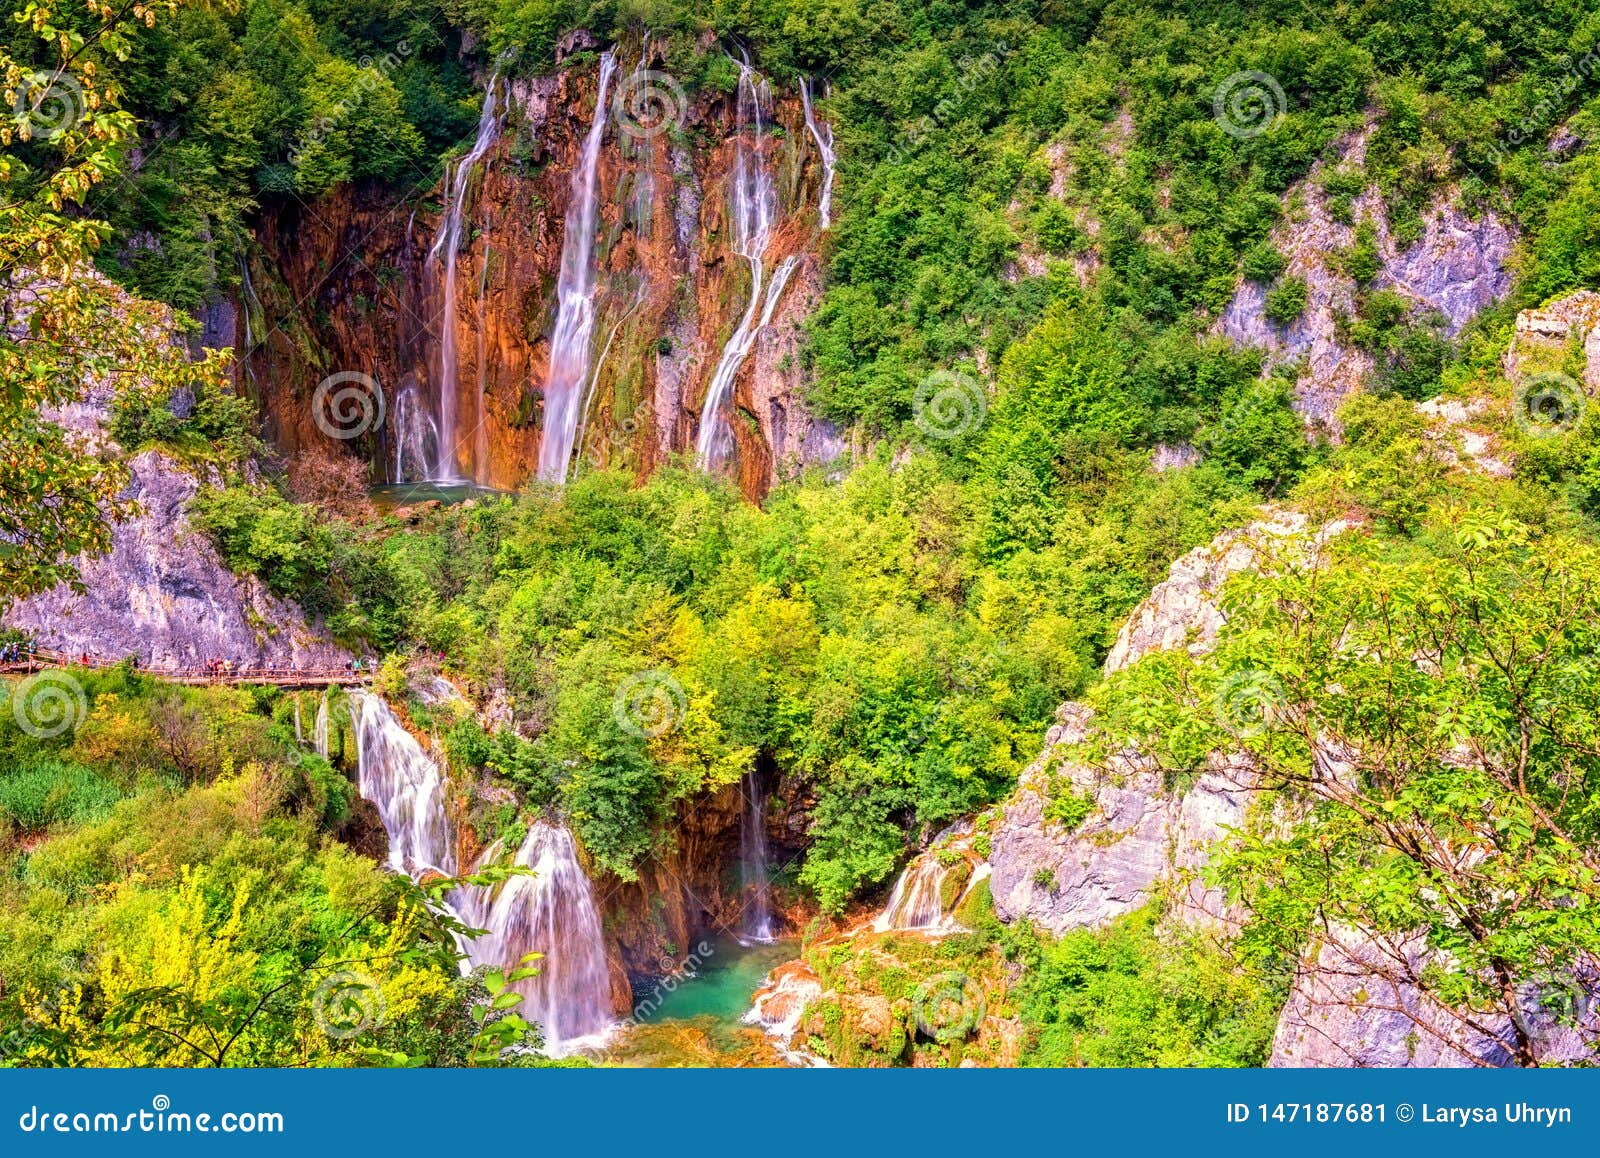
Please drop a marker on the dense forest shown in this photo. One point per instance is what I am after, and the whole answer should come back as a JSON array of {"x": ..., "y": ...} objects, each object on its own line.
[{"x": 1046, "y": 218}]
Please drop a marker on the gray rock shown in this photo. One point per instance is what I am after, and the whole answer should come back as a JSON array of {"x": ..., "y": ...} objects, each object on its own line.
[
  {"x": 1142, "y": 835},
  {"x": 1139, "y": 838},
  {"x": 1456, "y": 268},
  {"x": 1355, "y": 1002},
  {"x": 1181, "y": 611},
  {"x": 163, "y": 595}
]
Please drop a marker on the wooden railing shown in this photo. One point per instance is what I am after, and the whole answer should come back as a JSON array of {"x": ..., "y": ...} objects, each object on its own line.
[{"x": 283, "y": 676}]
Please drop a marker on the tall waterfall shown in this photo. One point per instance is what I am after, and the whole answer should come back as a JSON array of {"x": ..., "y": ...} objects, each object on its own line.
[
  {"x": 754, "y": 205},
  {"x": 571, "y": 345},
  {"x": 404, "y": 782},
  {"x": 444, "y": 466},
  {"x": 754, "y": 869},
  {"x": 824, "y": 141},
  {"x": 552, "y": 912}
]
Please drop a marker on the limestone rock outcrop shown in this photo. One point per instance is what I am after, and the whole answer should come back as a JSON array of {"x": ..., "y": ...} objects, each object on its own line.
[
  {"x": 1356, "y": 1002},
  {"x": 162, "y": 594},
  {"x": 1139, "y": 835},
  {"x": 1181, "y": 611},
  {"x": 1545, "y": 337},
  {"x": 1455, "y": 268}
]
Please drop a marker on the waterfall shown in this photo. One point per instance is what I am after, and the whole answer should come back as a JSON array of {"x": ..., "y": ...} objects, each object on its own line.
[
  {"x": 444, "y": 467},
  {"x": 416, "y": 433},
  {"x": 299, "y": 732},
  {"x": 825, "y": 148},
  {"x": 570, "y": 344},
  {"x": 319, "y": 729},
  {"x": 553, "y": 912},
  {"x": 754, "y": 205},
  {"x": 406, "y": 785},
  {"x": 252, "y": 307},
  {"x": 917, "y": 901},
  {"x": 754, "y": 870}
]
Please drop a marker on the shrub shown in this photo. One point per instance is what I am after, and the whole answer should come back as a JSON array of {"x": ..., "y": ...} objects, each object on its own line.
[
  {"x": 36, "y": 795},
  {"x": 1263, "y": 263},
  {"x": 1286, "y": 301}
]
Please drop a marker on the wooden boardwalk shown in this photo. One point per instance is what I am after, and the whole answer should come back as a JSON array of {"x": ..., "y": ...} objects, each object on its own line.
[{"x": 283, "y": 677}]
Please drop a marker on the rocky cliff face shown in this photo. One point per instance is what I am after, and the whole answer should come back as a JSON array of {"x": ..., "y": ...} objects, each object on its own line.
[
  {"x": 162, "y": 594},
  {"x": 353, "y": 283},
  {"x": 1564, "y": 333},
  {"x": 1455, "y": 268},
  {"x": 1139, "y": 837},
  {"x": 1356, "y": 1002}
]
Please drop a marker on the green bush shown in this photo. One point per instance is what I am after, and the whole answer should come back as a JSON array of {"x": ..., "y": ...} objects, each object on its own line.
[
  {"x": 1124, "y": 996},
  {"x": 43, "y": 792},
  {"x": 1286, "y": 300},
  {"x": 205, "y": 423}
]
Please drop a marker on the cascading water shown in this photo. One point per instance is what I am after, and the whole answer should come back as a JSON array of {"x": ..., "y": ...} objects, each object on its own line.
[
  {"x": 319, "y": 729},
  {"x": 824, "y": 140},
  {"x": 444, "y": 466},
  {"x": 755, "y": 203},
  {"x": 754, "y": 869},
  {"x": 917, "y": 901},
  {"x": 406, "y": 785},
  {"x": 553, "y": 912},
  {"x": 571, "y": 343},
  {"x": 299, "y": 732},
  {"x": 416, "y": 435}
]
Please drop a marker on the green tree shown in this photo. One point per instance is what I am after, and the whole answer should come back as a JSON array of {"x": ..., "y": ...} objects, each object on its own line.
[
  {"x": 61, "y": 324},
  {"x": 1422, "y": 733}
]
